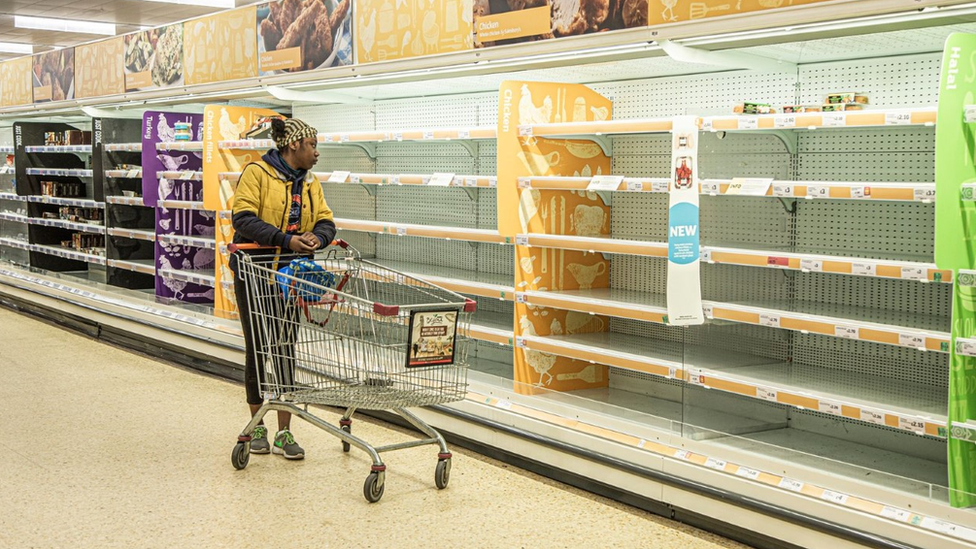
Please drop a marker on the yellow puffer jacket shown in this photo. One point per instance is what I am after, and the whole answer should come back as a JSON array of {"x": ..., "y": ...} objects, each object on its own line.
[{"x": 266, "y": 193}]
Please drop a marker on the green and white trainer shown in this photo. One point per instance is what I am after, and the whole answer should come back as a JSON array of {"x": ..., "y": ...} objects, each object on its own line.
[
  {"x": 259, "y": 441},
  {"x": 285, "y": 445}
]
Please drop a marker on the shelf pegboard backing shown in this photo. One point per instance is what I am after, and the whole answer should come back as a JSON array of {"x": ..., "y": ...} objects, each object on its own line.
[
  {"x": 731, "y": 283},
  {"x": 487, "y": 208},
  {"x": 433, "y": 112},
  {"x": 881, "y": 230},
  {"x": 743, "y": 221},
  {"x": 755, "y": 340},
  {"x": 882, "y": 155},
  {"x": 642, "y": 155},
  {"x": 344, "y": 157},
  {"x": 496, "y": 259},
  {"x": 883, "y": 362},
  {"x": 364, "y": 242},
  {"x": 487, "y": 158},
  {"x": 413, "y": 204},
  {"x": 882, "y": 294},
  {"x": 453, "y": 254},
  {"x": 905, "y": 81},
  {"x": 337, "y": 118},
  {"x": 349, "y": 201},
  {"x": 698, "y": 94}
]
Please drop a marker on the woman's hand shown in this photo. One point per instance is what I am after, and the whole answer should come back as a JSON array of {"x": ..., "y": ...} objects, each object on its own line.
[{"x": 300, "y": 245}]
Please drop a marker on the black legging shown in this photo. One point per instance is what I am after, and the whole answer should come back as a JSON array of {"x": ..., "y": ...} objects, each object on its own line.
[{"x": 280, "y": 334}]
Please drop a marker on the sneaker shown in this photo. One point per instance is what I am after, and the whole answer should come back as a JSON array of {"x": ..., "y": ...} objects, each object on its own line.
[
  {"x": 259, "y": 440},
  {"x": 285, "y": 445}
]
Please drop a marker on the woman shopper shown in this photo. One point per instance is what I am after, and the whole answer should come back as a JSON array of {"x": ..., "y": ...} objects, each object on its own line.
[{"x": 279, "y": 202}]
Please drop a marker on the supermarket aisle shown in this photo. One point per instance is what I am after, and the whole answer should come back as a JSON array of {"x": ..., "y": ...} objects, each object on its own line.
[{"x": 105, "y": 448}]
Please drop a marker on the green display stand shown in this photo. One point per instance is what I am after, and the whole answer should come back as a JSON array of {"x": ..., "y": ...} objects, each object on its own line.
[{"x": 955, "y": 248}]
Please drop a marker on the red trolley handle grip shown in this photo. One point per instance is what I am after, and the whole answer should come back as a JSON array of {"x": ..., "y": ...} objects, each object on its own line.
[{"x": 233, "y": 248}]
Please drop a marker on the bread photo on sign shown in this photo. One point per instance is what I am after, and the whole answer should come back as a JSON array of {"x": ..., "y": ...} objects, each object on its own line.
[{"x": 306, "y": 25}]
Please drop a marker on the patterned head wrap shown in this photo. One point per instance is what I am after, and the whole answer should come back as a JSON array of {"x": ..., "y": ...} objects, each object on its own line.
[{"x": 295, "y": 130}]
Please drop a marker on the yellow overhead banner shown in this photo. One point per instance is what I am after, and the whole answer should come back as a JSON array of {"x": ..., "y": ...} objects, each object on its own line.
[
  {"x": 99, "y": 68},
  {"x": 15, "y": 82},
  {"x": 397, "y": 29},
  {"x": 674, "y": 11},
  {"x": 221, "y": 47}
]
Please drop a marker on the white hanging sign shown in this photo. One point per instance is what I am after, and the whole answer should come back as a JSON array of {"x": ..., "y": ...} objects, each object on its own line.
[
  {"x": 338, "y": 177},
  {"x": 684, "y": 243},
  {"x": 749, "y": 187},
  {"x": 441, "y": 180},
  {"x": 605, "y": 182}
]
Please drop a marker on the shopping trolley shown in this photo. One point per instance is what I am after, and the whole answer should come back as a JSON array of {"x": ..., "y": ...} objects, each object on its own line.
[{"x": 342, "y": 331}]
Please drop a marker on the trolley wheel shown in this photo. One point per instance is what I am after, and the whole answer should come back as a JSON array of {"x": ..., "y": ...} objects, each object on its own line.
[
  {"x": 345, "y": 445},
  {"x": 372, "y": 489},
  {"x": 443, "y": 473},
  {"x": 240, "y": 455}
]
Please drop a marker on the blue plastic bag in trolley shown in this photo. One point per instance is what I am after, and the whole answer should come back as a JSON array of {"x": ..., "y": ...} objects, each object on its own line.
[{"x": 303, "y": 278}]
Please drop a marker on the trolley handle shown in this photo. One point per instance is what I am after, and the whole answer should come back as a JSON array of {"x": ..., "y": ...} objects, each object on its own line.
[{"x": 234, "y": 248}]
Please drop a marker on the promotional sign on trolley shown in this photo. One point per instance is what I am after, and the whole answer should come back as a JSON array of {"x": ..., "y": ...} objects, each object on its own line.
[
  {"x": 684, "y": 250},
  {"x": 955, "y": 223}
]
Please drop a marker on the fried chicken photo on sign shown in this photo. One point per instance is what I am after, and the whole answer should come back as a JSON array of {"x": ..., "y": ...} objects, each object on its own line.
[
  {"x": 317, "y": 46},
  {"x": 270, "y": 31},
  {"x": 596, "y": 13},
  {"x": 338, "y": 16},
  {"x": 299, "y": 30},
  {"x": 634, "y": 13}
]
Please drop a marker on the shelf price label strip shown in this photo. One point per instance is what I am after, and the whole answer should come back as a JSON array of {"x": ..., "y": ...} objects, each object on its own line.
[
  {"x": 430, "y": 231},
  {"x": 848, "y": 119},
  {"x": 721, "y": 466},
  {"x": 891, "y": 335}
]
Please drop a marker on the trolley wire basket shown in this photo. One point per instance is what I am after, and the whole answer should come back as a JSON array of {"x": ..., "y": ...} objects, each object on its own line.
[{"x": 346, "y": 332}]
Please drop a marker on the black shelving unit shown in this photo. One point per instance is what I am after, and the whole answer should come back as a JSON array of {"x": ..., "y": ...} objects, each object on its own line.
[
  {"x": 26, "y": 136},
  {"x": 115, "y": 157},
  {"x": 13, "y": 233}
]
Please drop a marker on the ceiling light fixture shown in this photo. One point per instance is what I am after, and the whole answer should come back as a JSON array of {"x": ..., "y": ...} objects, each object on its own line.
[
  {"x": 206, "y": 3},
  {"x": 64, "y": 25},
  {"x": 11, "y": 47}
]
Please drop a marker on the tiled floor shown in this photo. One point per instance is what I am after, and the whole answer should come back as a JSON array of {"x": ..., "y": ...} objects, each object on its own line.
[{"x": 103, "y": 448}]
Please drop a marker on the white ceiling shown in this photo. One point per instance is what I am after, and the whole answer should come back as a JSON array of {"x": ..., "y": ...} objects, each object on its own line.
[{"x": 128, "y": 15}]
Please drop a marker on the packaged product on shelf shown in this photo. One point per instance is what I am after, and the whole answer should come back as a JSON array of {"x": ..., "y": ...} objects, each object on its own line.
[
  {"x": 840, "y": 97},
  {"x": 861, "y": 99},
  {"x": 77, "y": 137},
  {"x": 854, "y": 107},
  {"x": 183, "y": 131},
  {"x": 61, "y": 189},
  {"x": 797, "y": 109},
  {"x": 834, "y": 107},
  {"x": 754, "y": 108}
]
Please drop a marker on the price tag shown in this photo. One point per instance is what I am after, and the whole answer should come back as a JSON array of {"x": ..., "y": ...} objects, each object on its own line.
[
  {"x": 343, "y": 138},
  {"x": 834, "y": 119},
  {"x": 398, "y": 136},
  {"x": 716, "y": 464},
  {"x": 916, "y": 341},
  {"x": 859, "y": 192},
  {"x": 818, "y": 191},
  {"x": 672, "y": 372},
  {"x": 711, "y": 187},
  {"x": 520, "y": 342},
  {"x": 605, "y": 183},
  {"x": 522, "y": 240},
  {"x": 791, "y": 485},
  {"x": 394, "y": 180},
  {"x": 355, "y": 179},
  {"x": 709, "y": 311},
  {"x": 847, "y": 332},
  {"x": 521, "y": 298},
  {"x": 471, "y": 182},
  {"x": 898, "y": 118},
  {"x": 914, "y": 425},
  {"x": 770, "y": 395},
  {"x": 914, "y": 273},
  {"x": 464, "y": 134},
  {"x": 748, "y": 473},
  {"x": 876, "y": 417},
  {"x": 338, "y": 177},
  {"x": 641, "y": 444},
  {"x": 864, "y": 269},
  {"x": 492, "y": 182},
  {"x": 782, "y": 190},
  {"x": 401, "y": 231},
  {"x": 504, "y": 404},
  {"x": 834, "y": 497},
  {"x": 785, "y": 121},
  {"x": 895, "y": 513},
  {"x": 525, "y": 131},
  {"x": 682, "y": 454},
  {"x": 707, "y": 125},
  {"x": 706, "y": 256},
  {"x": 964, "y": 347},
  {"x": 425, "y": 180},
  {"x": 828, "y": 407},
  {"x": 748, "y": 123},
  {"x": 428, "y": 134},
  {"x": 441, "y": 180},
  {"x": 811, "y": 265},
  {"x": 924, "y": 194},
  {"x": 635, "y": 186},
  {"x": 660, "y": 186},
  {"x": 940, "y": 526},
  {"x": 769, "y": 320},
  {"x": 327, "y": 138},
  {"x": 696, "y": 378}
]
